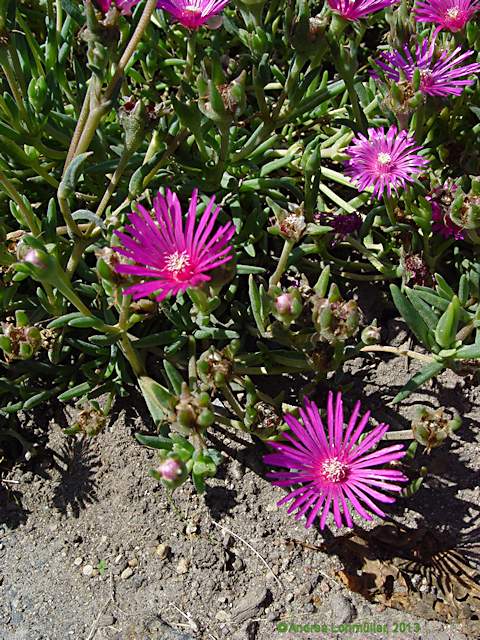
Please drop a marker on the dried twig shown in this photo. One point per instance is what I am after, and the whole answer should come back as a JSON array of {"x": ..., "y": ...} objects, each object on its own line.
[{"x": 235, "y": 535}]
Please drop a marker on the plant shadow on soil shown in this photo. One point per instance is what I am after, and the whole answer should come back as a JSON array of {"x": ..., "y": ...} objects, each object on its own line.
[{"x": 86, "y": 481}]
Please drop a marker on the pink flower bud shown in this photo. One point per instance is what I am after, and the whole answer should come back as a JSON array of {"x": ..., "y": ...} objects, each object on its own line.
[
  {"x": 283, "y": 304},
  {"x": 34, "y": 258},
  {"x": 170, "y": 469}
]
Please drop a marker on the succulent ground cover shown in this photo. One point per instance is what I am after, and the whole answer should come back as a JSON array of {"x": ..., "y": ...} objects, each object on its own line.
[{"x": 199, "y": 200}]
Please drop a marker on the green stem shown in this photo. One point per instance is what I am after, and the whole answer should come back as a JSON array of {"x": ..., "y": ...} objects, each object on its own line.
[
  {"x": 177, "y": 140},
  {"x": 282, "y": 263},
  {"x": 82, "y": 119},
  {"x": 17, "y": 198},
  {"x": 72, "y": 226},
  {"x": 132, "y": 356},
  {"x": 130, "y": 48}
]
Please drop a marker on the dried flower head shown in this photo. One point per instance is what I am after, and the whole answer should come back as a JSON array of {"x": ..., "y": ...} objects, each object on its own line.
[
  {"x": 171, "y": 256},
  {"x": 192, "y": 13},
  {"x": 354, "y": 10},
  {"x": 333, "y": 468},
  {"x": 451, "y": 15},
  {"x": 384, "y": 161},
  {"x": 440, "y": 75}
]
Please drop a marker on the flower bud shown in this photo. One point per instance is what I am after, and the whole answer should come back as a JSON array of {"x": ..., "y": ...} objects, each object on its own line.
[
  {"x": 215, "y": 22},
  {"x": 133, "y": 120},
  {"x": 172, "y": 472},
  {"x": 193, "y": 411},
  {"x": 371, "y": 334},
  {"x": 287, "y": 306},
  {"x": 35, "y": 258}
]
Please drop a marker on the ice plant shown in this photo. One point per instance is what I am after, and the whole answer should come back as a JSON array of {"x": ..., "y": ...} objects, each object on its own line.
[
  {"x": 440, "y": 75},
  {"x": 384, "y": 161},
  {"x": 356, "y": 9},
  {"x": 171, "y": 256},
  {"x": 452, "y": 15},
  {"x": 124, "y": 6},
  {"x": 192, "y": 13},
  {"x": 334, "y": 469}
]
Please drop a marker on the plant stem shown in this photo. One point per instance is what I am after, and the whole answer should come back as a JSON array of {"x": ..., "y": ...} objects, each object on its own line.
[
  {"x": 17, "y": 198},
  {"x": 82, "y": 119},
  {"x": 398, "y": 352},
  {"x": 130, "y": 48},
  {"x": 282, "y": 263}
]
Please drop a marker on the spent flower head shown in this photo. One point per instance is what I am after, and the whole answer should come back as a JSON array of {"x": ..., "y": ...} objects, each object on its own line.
[
  {"x": 451, "y": 15},
  {"x": 335, "y": 470},
  {"x": 354, "y": 10},
  {"x": 384, "y": 161},
  {"x": 169, "y": 255},
  {"x": 192, "y": 13},
  {"x": 440, "y": 75}
]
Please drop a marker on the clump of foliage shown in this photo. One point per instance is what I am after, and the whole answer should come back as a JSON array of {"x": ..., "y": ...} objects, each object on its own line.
[{"x": 331, "y": 164}]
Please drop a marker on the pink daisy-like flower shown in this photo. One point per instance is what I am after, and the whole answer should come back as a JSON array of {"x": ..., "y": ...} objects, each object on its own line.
[
  {"x": 441, "y": 75},
  {"x": 334, "y": 470},
  {"x": 124, "y": 6},
  {"x": 169, "y": 256},
  {"x": 354, "y": 10},
  {"x": 192, "y": 13},
  {"x": 384, "y": 161},
  {"x": 452, "y": 15}
]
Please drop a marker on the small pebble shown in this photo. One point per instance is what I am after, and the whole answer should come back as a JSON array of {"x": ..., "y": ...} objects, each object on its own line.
[
  {"x": 222, "y": 616},
  {"x": 191, "y": 528},
  {"x": 162, "y": 551},
  {"x": 118, "y": 559},
  {"x": 77, "y": 562},
  {"x": 126, "y": 573},
  {"x": 133, "y": 562},
  {"x": 182, "y": 566},
  {"x": 88, "y": 571}
]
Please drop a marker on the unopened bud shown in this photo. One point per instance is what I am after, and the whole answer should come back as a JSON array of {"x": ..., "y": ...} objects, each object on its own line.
[
  {"x": 215, "y": 22},
  {"x": 371, "y": 334},
  {"x": 287, "y": 306},
  {"x": 170, "y": 469},
  {"x": 35, "y": 258}
]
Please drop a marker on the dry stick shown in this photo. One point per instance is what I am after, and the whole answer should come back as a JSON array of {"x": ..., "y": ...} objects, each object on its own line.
[
  {"x": 235, "y": 535},
  {"x": 398, "y": 352}
]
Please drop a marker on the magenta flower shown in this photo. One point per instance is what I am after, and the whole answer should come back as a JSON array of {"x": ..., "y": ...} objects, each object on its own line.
[
  {"x": 124, "y": 6},
  {"x": 441, "y": 75},
  {"x": 356, "y": 9},
  {"x": 335, "y": 470},
  {"x": 384, "y": 161},
  {"x": 452, "y": 15},
  {"x": 169, "y": 256},
  {"x": 192, "y": 13}
]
